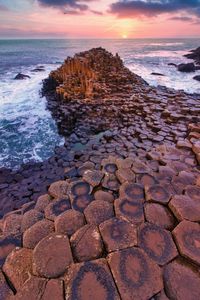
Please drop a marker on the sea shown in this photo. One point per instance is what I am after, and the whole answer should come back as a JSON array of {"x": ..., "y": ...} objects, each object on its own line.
[{"x": 27, "y": 130}]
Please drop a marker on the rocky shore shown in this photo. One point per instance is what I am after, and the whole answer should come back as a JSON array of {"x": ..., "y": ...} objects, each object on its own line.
[{"x": 115, "y": 213}]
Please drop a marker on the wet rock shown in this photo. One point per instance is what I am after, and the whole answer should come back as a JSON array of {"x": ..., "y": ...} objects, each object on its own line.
[
  {"x": 118, "y": 234},
  {"x": 132, "y": 191},
  {"x": 184, "y": 207},
  {"x": 187, "y": 68},
  {"x": 18, "y": 266},
  {"x": 182, "y": 282},
  {"x": 90, "y": 280},
  {"x": 111, "y": 182},
  {"x": 136, "y": 275},
  {"x": 86, "y": 243},
  {"x": 52, "y": 256},
  {"x": 146, "y": 180},
  {"x": 157, "y": 193},
  {"x": 197, "y": 77},
  {"x": 7, "y": 244},
  {"x": 54, "y": 290},
  {"x": 159, "y": 215},
  {"x": 59, "y": 189},
  {"x": 104, "y": 196},
  {"x": 187, "y": 235},
  {"x": 79, "y": 188},
  {"x": 33, "y": 235},
  {"x": 56, "y": 208},
  {"x": 30, "y": 218},
  {"x": 21, "y": 76},
  {"x": 157, "y": 243},
  {"x": 98, "y": 212},
  {"x": 79, "y": 203},
  {"x": 157, "y": 74},
  {"x": 69, "y": 222},
  {"x": 130, "y": 210}
]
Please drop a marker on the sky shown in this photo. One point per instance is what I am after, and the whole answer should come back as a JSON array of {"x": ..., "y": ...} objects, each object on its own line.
[{"x": 99, "y": 19}]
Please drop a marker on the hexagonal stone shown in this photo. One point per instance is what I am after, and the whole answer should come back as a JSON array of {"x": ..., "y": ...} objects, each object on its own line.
[
  {"x": 12, "y": 225},
  {"x": 18, "y": 266},
  {"x": 30, "y": 218},
  {"x": 118, "y": 234},
  {"x": 52, "y": 256},
  {"x": 182, "y": 281},
  {"x": 98, "y": 212},
  {"x": 56, "y": 208},
  {"x": 7, "y": 244},
  {"x": 90, "y": 280},
  {"x": 33, "y": 235},
  {"x": 124, "y": 163},
  {"x": 129, "y": 210},
  {"x": 79, "y": 203},
  {"x": 93, "y": 177},
  {"x": 159, "y": 215},
  {"x": 88, "y": 165},
  {"x": 136, "y": 275},
  {"x": 104, "y": 196},
  {"x": 157, "y": 193},
  {"x": 42, "y": 202},
  {"x": 86, "y": 243},
  {"x": 133, "y": 191},
  {"x": 124, "y": 175},
  {"x": 187, "y": 236},
  {"x": 184, "y": 207},
  {"x": 59, "y": 189},
  {"x": 79, "y": 188},
  {"x": 110, "y": 182},
  {"x": 69, "y": 222},
  {"x": 193, "y": 192},
  {"x": 5, "y": 291},
  {"x": 146, "y": 180},
  {"x": 54, "y": 290},
  {"x": 109, "y": 166},
  {"x": 33, "y": 288},
  {"x": 157, "y": 243}
]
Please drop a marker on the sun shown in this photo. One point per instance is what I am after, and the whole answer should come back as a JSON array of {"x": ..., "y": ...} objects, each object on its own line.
[{"x": 124, "y": 36}]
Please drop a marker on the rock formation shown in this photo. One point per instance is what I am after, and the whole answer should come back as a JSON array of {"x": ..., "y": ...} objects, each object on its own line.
[{"x": 195, "y": 55}]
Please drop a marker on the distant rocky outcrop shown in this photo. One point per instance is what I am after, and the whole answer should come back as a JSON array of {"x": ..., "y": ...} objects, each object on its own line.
[
  {"x": 21, "y": 76},
  {"x": 92, "y": 74},
  {"x": 195, "y": 55},
  {"x": 186, "y": 68}
]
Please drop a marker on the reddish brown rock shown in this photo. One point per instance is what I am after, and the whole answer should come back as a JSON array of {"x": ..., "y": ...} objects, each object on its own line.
[
  {"x": 109, "y": 167},
  {"x": 33, "y": 235},
  {"x": 111, "y": 182},
  {"x": 79, "y": 188},
  {"x": 182, "y": 281},
  {"x": 157, "y": 243},
  {"x": 5, "y": 291},
  {"x": 159, "y": 215},
  {"x": 52, "y": 256},
  {"x": 124, "y": 175},
  {"x": 161, "y": 296},
  {"x": 98, "y": 212},
  {"x": 42, "y": 202},
  {"x": 139, "y": 167},
  {"x": 124, "y": 163},
  {"x": 69, "y": 222},
  {"x": 93, "y": 177},
  {"x": 105, "y": 196},
  {"x": 79, "y": 203},
  {"x": 146, "y": 180},
  {"x": 18, "y": 266},
  {"x": 56, "y": 208},
  {"x": 54, "y": 290},
  {"x": 90, "y": 280},
  {"x": 12, "y": 225},
  {"x": 187, "y": 236},
  {"x": 157, "y": 193},
  {"x": 88, "y": 165},
  {"x": 118, "y": 234},
  {"x": 7, "y": 244},
  {"x": 59, "y": 189},
  {"x": 184, "y": 207},
  {"x": 129, "y": 210},
  {"x": 136, "y": 275},
  {"x": 30, "y": 218},
  {"x": 132, "y": 191},
  {"x": 193, "y": 192},
  {"x": 33, "y": 289},
  {"x": 86, "y": 243}
]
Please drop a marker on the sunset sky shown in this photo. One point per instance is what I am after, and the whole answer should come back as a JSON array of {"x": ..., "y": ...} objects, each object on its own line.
[{"x": 99, "y": 19}]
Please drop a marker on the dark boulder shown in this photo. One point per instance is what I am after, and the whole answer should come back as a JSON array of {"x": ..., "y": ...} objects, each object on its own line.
[
  {"x": 157, "y": 74},
  {"x": 187, "y": 68},
  {"x": 197, "y": 77},
  {"x": 172, "y": 64},
  {"x": 195, "y": 55},
  {"x": 21, "y": 76}
]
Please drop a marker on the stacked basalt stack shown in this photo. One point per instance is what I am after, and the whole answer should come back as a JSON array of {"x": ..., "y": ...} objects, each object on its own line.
[
  {"x": 117, "y": 229},
  {"x": 92, "y": 74}
]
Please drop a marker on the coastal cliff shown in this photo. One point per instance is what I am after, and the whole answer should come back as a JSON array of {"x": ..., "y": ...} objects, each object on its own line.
[{"x": 115, "y": 213}]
